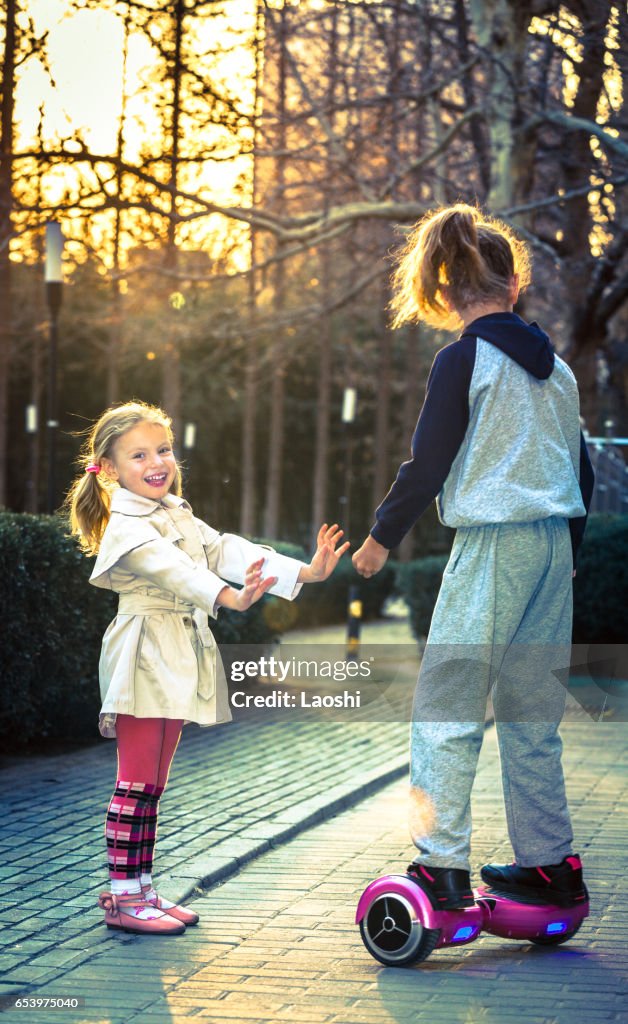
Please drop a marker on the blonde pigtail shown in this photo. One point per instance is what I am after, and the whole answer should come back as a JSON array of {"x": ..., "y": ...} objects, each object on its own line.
[{"x": 88, "y": 504}]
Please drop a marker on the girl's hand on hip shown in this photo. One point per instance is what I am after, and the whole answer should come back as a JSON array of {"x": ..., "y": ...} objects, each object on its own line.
[
  {"x": 370, "y": 558},
  {"x": 327, "y": 555}
]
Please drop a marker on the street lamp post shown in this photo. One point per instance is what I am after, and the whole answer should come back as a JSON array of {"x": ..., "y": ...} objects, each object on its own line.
[
  {"x": 189, "y": 437},
  {"x": 32, "y": 426},
  {"x": 349, "y": 399},
  {"x": 189, "y": 444},
  {"x": 354, "y": 604},
  {"x": 54, "y": 293}
]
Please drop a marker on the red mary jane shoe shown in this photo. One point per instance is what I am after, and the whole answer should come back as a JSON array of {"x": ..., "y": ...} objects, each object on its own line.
[
  {"x": 187, "y": 917},
  {"x": 121, "y": 914}
]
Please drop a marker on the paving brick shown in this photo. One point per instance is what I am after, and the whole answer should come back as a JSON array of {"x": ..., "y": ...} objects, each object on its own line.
[{"x": 277, "y": 940}]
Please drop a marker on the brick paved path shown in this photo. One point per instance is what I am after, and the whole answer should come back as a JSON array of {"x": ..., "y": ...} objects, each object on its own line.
[
  {"x": 277, "y": 941},
  {"x": 233, "y": 790}
]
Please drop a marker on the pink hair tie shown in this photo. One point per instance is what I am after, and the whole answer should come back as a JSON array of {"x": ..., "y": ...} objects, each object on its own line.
[{"x": 93, "y": 469}]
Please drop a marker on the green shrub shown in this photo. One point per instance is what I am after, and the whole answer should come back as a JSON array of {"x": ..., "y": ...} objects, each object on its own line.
[
  {"x": 601, "y": 583},
  {"x": 419, "y": 582},
  {"x": 53, "y": 623},
  {"x": 326, "y": 603}
]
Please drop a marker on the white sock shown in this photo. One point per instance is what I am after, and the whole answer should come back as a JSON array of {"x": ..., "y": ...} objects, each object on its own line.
[
  {"x": 132, "y": 887},
  {"x": 152, "y": 892},
  {"x": 164, "y": 904},
  {"x": 121, "y": 886}
]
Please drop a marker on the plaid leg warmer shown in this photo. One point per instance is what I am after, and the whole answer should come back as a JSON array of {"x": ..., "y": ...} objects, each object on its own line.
[
  {"x": 149, "y": 830},
  {"x": 124, "y": 828}
]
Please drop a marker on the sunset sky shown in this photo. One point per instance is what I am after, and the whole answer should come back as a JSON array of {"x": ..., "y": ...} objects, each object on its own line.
[{"x": 85, "y": 51}]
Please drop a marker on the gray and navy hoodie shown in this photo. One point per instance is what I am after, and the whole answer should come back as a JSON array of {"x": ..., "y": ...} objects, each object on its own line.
[{"x": 498, "y": 439}]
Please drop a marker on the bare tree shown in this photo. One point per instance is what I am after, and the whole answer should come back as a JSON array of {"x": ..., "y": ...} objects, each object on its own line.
[
  {"x": 385, "y": 110},
  {"x": 250, "y": 396},
  {"x": 6, "y": 228}
]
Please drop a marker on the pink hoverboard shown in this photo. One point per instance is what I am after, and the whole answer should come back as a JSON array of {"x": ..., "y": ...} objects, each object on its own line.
[{"x": 399, "y": 925}]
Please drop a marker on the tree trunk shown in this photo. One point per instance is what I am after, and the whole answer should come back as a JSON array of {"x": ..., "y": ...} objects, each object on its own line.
[
  {"x": 115, "y": 334},
  {"x": 576, "y": 162},
  {"x": 501, "y": 28},
  {"x": 172, "y": 362},
  {"x": 247, "y": 487},
  {"x": 276, "y": 440},
  {"x": 247, "y": 492},
  {"x": 411, "y": 400},
  {"x": 476, "y": 127},
  {"x": 323, "y": 408},
  {"x": 6, "y": 232},
  {"x": 381, "y": 474},
  {"x": 275, "y": 450}
]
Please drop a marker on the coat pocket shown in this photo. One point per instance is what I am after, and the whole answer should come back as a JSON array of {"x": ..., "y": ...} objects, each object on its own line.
[
  {"x": 205, "y": 643},
  {"x": 166, "y": 660}
]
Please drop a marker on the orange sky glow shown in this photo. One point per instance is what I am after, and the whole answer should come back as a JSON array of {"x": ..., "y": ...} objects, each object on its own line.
[{"x": 85, "y": 51}]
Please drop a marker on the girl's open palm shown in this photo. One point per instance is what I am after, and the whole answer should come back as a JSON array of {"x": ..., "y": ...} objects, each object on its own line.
[
  {"x": 327, "y": 553},
  {"x": 254, "y": 586}
]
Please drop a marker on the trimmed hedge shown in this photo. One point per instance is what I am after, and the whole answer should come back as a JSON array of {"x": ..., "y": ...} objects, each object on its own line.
[
  {"x": 600, "y": 586},
  {"x": 601, "y": 583},
  {"x": 327, "y": 603},
  {"x": 418, "y": 582},
  {"x": 53, "y": 622}
]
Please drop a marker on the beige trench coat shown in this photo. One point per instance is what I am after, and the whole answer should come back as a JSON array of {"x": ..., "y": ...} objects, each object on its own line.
[{"x": 159, "y": 658}]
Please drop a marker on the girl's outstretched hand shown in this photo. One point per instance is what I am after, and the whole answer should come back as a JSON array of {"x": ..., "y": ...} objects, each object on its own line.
[
  {"x": 327, "y": 555},
  {"x": 254, "y": 588}
]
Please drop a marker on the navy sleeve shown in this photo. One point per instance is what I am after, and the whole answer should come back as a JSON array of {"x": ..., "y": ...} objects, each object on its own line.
[
  {"x": 436, "y": 440},
  {"x": 587, "y": 479}
]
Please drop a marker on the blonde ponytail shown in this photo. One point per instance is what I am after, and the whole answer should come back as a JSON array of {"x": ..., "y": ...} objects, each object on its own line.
[
  {"x": 455, "y": 257},
  {"x": 88, "y": 504}
]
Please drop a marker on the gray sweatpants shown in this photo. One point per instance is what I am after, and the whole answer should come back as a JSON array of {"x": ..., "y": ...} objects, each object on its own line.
[{"x": 501, "y": 625}]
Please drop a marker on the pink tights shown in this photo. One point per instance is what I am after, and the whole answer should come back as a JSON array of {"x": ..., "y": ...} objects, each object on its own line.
[{"x": 146, "y": 747}]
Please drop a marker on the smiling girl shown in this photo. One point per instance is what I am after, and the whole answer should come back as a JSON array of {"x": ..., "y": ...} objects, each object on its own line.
[{"x": 159, "y": 666}]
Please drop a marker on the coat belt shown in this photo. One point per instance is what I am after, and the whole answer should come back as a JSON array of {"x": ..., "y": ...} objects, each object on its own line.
[
  {"x": 135, "y": 603},
  {"x": 149, "y": 604}
]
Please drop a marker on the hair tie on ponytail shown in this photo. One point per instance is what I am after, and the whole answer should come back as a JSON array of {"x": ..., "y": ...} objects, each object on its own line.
[{"x": 93, "y": 469}]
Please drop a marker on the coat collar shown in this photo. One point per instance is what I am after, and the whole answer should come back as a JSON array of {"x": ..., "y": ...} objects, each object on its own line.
[{"x": 130, "y": 504}]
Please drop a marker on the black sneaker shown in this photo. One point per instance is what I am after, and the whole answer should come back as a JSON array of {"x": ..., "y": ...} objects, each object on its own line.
[
  {"x": 447, "y": 888},
  {"x": 559, "y": 884}
]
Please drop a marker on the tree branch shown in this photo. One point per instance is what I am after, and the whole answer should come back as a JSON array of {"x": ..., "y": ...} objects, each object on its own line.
[{"x": 579, "y": 124}]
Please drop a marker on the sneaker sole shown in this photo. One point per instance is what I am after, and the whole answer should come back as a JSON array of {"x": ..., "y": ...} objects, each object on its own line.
[{"x": 525, "y": 894}]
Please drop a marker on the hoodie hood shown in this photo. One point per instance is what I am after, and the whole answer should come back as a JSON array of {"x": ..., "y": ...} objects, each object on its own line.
[{"x": 526, "y": 344}]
